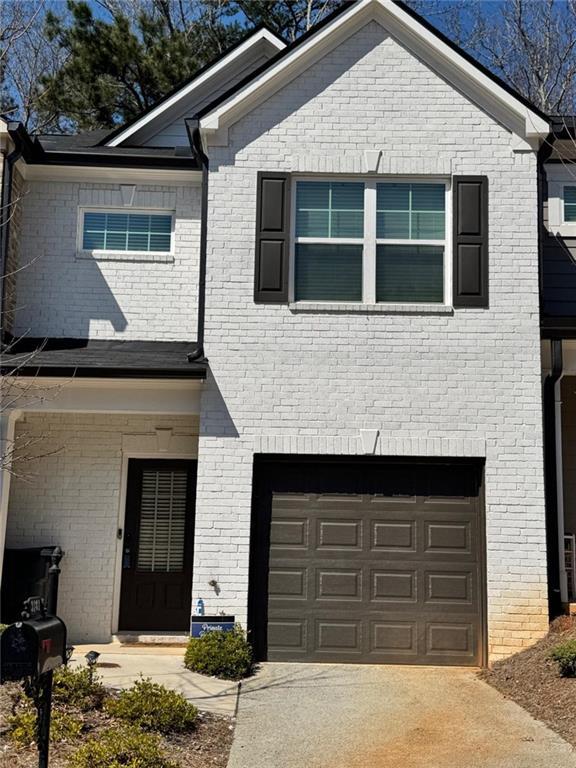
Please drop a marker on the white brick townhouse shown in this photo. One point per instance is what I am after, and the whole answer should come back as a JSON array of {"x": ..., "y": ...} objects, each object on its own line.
[{"x": 278, "y": 344}]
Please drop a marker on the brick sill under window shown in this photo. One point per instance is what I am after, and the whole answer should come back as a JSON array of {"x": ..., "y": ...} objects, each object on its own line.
[
  {"x": 154, "y": 258},
  {"x": 382, "y": 309}
]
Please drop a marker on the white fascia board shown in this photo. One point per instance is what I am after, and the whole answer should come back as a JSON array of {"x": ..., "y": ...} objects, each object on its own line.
[
  {"x": 225, "y": 62},
  {"x": 108, "y": 174},
  {"x": 397, "y": 21}
]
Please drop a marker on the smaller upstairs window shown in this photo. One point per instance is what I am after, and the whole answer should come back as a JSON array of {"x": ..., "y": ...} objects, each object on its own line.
[
  {"x": 570, "y": 204},
  {"x": 126, "y": 232}
]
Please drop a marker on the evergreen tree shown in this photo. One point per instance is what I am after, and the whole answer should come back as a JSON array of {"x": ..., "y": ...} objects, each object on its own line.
[{"x": 115, "y": 69}]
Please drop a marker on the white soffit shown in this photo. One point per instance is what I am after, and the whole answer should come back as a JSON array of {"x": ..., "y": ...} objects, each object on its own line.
[
  {"x": 112, "y": 174},
  {"x": 226, "y": 61},
  {"x": 504, "y": 106}
]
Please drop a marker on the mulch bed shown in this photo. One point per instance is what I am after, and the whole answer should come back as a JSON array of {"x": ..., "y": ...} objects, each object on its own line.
[
  {"x": 532, "y": 680},
  {"x": 207, "y": 746}
]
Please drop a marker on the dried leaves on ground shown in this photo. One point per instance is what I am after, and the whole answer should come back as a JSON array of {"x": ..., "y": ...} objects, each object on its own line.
[
  {"x": 532, "y": 679},
  {"x": 206, "y": 746}
]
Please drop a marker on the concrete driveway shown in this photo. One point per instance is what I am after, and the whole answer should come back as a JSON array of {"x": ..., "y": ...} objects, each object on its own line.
[{"x": 352, "y": 716}]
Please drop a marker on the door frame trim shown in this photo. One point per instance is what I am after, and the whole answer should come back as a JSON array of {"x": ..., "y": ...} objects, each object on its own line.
[
  {"x": 121, "y": 519},
  {"x": 260, "y": 534}
]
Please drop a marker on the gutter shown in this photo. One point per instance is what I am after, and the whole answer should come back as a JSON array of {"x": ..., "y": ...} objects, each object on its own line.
[
  {"x": 195, "y": 139},
  {"x": 8, "y": 163},
  {"x": 553, "y": 478}
]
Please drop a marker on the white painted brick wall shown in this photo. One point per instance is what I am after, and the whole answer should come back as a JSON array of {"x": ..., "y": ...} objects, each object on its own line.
[
  {"x": 60, "y": 295},
  {"x": 306, "y": 379},
  {"x": 72, "y": 498}
]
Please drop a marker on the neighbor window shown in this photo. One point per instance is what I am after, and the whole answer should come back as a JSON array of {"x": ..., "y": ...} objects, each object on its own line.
[
  {"x": 570, "y": 204},
  {"x": 370, "y": 241},
  {"x": 136, "y": 232}
]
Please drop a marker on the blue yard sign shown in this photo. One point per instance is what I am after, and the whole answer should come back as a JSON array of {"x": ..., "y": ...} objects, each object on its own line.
[{"x": 200, "y": 625}]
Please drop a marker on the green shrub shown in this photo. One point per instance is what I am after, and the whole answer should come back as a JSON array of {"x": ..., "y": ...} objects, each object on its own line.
[
  {"x": 22, "y": 726},
  {"x": 153, "y": 707},
  {"x": 2, "y": 627},
  {"x": 78, "y": 687},
  {"x": 564, "y": 655},
  {"x": 121, "y": 747},
  {"x": 221, "y": 654}
]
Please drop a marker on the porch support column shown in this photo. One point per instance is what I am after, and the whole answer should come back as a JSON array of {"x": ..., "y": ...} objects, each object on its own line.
[{"x": 8, "y": 421}]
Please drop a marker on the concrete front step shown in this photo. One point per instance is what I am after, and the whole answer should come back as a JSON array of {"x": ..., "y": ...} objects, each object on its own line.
[{"x": 151, "y": 638}]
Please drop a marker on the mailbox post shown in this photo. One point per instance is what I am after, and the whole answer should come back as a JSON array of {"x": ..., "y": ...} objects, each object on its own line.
[{"x": 31, "y": 650}]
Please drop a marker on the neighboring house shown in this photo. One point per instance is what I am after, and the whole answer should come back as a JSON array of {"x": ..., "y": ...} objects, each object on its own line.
[{"x": 294, "y": 352}]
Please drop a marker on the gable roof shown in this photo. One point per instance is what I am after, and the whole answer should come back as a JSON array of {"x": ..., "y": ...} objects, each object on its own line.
[
  {"x": 399, "y": 19},
  {"x": 182, "y": 90}
]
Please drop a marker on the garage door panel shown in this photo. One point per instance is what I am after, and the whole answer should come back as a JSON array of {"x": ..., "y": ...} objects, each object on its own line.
[
  {"x": 338, "y": 636},
  {"x": 393, "y": 536},
  {"x": 377, "y": 577},
  {"x": 338, "y": 584},
  {"x": 448, "y": 587},
  {"x": 397, "y": 585},
  {"x": 339, "y": 534},
  {"x": 451, "y": 640},
  {"x": 394, "y": 638},
  {"x": 288, "y": 636},
  {"x": 289, "y": 533},
  {"x": 288, "y": 583}
]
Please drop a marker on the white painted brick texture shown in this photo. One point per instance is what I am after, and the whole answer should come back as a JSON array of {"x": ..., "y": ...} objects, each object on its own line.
[
  {"x": 308, "y": 381},
  {"x": 60, "y": 295},
  {"x": 72, "y": 498}
]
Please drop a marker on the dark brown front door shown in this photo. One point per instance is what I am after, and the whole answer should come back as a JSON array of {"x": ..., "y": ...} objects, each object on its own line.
[
  {"x": 372, "y": 562},
  {"x": 158, "y": 546}
]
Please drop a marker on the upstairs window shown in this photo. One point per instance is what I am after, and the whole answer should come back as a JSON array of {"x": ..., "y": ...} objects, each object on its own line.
[
  {"x": 108, "y": 231},
  {"x": 329, "y": 241},
  {"x": 570, "y": 204},
  {"x": 368, "y": 241},
  {"x": 410, "y": 234}
]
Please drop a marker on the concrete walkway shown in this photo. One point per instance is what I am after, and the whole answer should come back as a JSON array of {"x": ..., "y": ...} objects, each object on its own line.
[
  {"x": 352, "y": 716},
  {"x": 120, "y": 665}
]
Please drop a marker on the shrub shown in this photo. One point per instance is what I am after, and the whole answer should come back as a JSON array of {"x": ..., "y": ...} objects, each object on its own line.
[
  {"x": 121, "y": 747},
  {"x": 153, "y": 707},
  {"x": 221, "y": 654},
  {"x": 63, "y": 727},
  {"x": 78, "y": 687},
  {"x": 564, "y": 655},
  {"x": 2, "y": 627}
]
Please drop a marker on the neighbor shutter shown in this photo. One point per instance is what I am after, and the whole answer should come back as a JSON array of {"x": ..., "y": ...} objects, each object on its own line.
[
  {"x": 470, "y": 195},
  {"x": 272, "y": 238}
]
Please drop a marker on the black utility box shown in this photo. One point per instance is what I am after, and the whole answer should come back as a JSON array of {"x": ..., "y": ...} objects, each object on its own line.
[
  {"x": 25, "y": 573},
  {"x": 32, "y": 647}
]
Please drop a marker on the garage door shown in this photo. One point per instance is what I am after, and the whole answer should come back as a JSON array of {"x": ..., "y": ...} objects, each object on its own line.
[{"x": 389, "y": 575}]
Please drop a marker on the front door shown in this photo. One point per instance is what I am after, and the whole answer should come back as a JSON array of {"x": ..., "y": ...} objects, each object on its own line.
[{"x": 158, "y": 546}]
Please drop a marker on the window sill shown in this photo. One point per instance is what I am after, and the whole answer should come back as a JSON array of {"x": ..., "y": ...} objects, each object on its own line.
[
  {"x": 562, "y": 230},
  {"x": 382, "y": 309},
  {"x": 155, "y": 258}
]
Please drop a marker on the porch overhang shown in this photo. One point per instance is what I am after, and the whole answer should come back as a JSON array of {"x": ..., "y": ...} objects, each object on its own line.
[{"x": 99, "y": 358}]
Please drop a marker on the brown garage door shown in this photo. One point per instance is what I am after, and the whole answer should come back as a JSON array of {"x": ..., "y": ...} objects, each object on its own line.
[{"x": 388, "y": 577}]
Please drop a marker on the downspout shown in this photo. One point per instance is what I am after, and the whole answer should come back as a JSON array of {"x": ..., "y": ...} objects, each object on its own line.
[
  {"x": 553, "y": 488},
  {"x": 560, "y": 482},
  {"x": 195, "y": 139},
  {"x": 9, "y": 160}
]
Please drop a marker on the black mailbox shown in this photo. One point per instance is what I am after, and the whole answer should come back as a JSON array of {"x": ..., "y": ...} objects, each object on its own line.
[{"x": 32, "y": 647}]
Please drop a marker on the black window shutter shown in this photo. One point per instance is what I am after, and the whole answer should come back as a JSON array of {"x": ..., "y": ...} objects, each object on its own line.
[
  {"x": 272, "y": 238},
  {"x": 470, "y": 195}
]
